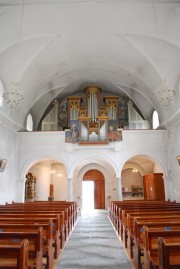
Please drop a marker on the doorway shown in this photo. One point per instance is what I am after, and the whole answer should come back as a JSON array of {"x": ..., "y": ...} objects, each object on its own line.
[
  {"x": 88, "y": 195},
  {"x": 99, "y": 187}
]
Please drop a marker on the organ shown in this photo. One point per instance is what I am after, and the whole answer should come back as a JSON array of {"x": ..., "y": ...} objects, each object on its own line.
[{"x": 93, "y": 122}]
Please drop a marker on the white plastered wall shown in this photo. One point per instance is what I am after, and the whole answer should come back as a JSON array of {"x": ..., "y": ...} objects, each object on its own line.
[{"x": 35, "y": 146}]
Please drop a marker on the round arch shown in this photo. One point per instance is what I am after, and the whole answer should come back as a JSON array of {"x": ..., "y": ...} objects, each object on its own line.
[
  {"x": 40, "y": 166},
  {"x": 36, "y": 159},
  {"x": 102, "y": 166},
  {"x": 107, "y": 163},
  {"x": 146, "y": 164},
  {"x": 154, "y": 159}
]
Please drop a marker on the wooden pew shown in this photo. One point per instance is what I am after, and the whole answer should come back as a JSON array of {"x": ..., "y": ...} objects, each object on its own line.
[
  {"x": 18, "y": 219},
  {"x": 41, "y": 214},
  {"x": 150, "y": 245},
  {"x": 58, "y": 219},
  {"x": 35, "y": 255},
  {"x": 64, "y": 212},
  {"x": 131, "y": 211},
  {"x": 48, "y": 251},
  {"x": 70, "y": 207},
  {"x": 128, "y": 232},
  {"x": 14, "y": 255},
  {"x": 128, "y": 214},
  {"x": 169, "y": 254},
  {"x": 123, "y": 207},
  {"x": 28, "y": 212},
  {"x": 165, "y": 224},
  {"x": 115, "y": 207},
  {"x": 74, "y": 207},
  {"x": 137, "y": 208}
]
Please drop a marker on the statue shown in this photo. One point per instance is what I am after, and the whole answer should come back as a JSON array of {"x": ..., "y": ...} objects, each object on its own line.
[{"x": 30, "y": 186}]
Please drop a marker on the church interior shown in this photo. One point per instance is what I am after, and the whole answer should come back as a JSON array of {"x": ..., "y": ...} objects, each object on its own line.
[{"x": 90, "y": 109}]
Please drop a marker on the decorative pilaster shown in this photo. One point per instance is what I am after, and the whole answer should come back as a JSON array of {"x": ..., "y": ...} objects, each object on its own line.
[
  {"x": 119, "y": 188},
  {"x": 70, "y": 189},
  {"x": 168, "y": 186},
  {"x": 20, "y": 191}
]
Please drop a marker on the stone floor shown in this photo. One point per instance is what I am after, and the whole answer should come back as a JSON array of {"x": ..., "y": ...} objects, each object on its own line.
[{"x": 93, "y": 244}]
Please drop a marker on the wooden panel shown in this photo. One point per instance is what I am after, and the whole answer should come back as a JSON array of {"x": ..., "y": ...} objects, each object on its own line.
[
  {"x": 149, "y": 193},
  {"x": 160, "y": 193},
  {"x": 99, "y": 195}
]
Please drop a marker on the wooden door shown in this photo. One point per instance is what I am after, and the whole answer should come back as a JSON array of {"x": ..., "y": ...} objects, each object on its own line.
[
  {"x": 99, "y": 187},
  {"x": 159, "y": 181},
  {"x": 149, "y": 187},
  {"x": 154, "y": 186}
]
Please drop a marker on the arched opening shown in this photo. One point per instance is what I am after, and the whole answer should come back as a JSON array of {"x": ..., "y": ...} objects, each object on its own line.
[
  {"x": 155, "y": 120},
  {"x": 45, "y": 179},
  {"x": 99, "y": 187},
  {"x": 142, "y": 179},
  {"x": 132, "y": 184},
  {"x": 29, "y": 123}
]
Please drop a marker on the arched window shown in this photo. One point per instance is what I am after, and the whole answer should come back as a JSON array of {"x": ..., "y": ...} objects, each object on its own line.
[
  {"x": 155, "y": 120},
  {"x": 29, "y": 123},
  {"x": 1, "y": 93}
]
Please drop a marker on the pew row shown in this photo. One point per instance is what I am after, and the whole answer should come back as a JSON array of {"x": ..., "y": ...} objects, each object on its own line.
[
  {"x": 48, "y": 251},
  {"x": 35, "y": 239},
  {"x": 40, "y": 221},
  {"x": 14, "y": 255},
  {"x": 62, "y": 215},
  {"x": 162, "y": 224},
  {"x": 151, "y": 247},
  {"x": 123, "y": 215},
  {"x": 169, "y": 254}
]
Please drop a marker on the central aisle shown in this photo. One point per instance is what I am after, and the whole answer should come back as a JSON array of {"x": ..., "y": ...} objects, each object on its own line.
[{"x": 93, "y": 244}]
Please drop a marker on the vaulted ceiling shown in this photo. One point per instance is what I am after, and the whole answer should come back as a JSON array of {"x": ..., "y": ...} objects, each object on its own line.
[{"x": 56, "y": 47}]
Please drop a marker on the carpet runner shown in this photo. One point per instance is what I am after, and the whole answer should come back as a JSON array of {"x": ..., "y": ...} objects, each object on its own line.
[{"x": 93, "y": 244}]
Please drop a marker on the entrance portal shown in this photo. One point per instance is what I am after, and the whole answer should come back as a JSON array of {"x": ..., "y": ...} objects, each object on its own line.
[{"x": 97, "y": 178}]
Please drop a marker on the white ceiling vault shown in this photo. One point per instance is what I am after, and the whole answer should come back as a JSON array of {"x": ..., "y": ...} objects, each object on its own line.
[{"x": 56, "y": 47}]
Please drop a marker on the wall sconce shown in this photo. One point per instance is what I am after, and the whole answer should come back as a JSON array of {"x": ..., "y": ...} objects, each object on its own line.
[
  {"x": 134, "y": 170},
  {"x": 3, "y": 163},
  {"x": 178, "y": 159}
]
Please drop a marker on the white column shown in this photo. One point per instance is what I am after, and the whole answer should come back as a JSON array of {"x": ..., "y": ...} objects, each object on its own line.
[
  {"x": 20, "y": 190},
  {"x": 168, "y": 187},
  {"x": 119, "y": 188},
  {"x": 70, "y": 189}
]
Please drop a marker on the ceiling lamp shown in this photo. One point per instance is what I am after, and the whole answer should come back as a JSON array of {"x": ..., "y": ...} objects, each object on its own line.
[
  {"x": 164, "y": 94},
  {"x": 13, "y": 96}
]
